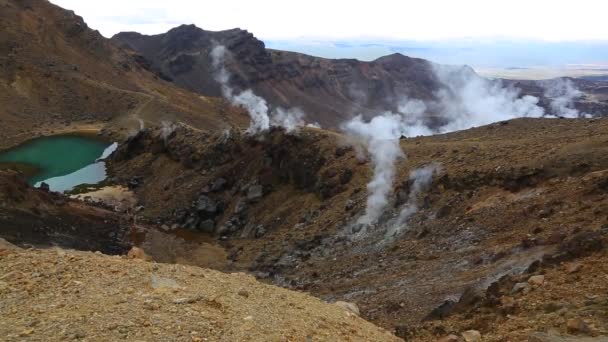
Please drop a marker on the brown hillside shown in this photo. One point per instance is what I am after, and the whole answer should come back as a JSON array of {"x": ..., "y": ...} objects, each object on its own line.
[
  {"x": 54, "y": 295},
  {"x": 507, "y": 196},
  {"x": 55, "y": 72}
]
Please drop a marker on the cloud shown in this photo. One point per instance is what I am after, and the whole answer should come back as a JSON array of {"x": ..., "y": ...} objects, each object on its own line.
[{"x": 385, "y": 18}]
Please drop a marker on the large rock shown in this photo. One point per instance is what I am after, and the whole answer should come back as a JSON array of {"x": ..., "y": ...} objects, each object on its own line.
[
  {"x": 255, "y": 192},
  {"x": 536, "y": 280},
  {"x": 207, "y": 226},
  {"x": 241, "y": 206},
  {"x": 206, "y": 205},
  {"x": 348, "y": 306},
  {"x": 471, "y": 336}
]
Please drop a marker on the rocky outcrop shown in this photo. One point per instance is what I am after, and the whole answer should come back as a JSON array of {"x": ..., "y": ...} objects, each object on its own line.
[{"x": 227, "y": 175}]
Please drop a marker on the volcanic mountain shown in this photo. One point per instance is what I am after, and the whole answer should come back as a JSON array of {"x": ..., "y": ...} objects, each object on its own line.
[{"x": 328, "y": 90}]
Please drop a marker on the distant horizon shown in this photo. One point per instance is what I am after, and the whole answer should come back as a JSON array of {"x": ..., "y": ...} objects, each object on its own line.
[
  {"x": 547, "y": 20},
  {"x": 477, "y": 33}
]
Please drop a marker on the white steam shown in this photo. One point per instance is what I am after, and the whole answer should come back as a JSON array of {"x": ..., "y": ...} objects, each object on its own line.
[
  {"x": 468, "y": 100},
  {"x": 562, "y": 93},
  {"x": 465, "y": 100},
  {"x": 420, "y": 180},
  {"x": 166, "y": 129},
  {"x": 381, "y": 136},
  {"x": 290, "y": 119},
  {"x": 257, "y": 107}
]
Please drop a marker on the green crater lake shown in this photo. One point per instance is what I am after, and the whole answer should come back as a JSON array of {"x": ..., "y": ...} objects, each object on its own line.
[{"x": 61, "y": 161}]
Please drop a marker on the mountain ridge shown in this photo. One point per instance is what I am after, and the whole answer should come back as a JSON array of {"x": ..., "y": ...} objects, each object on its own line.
[{"x": 329, "y": 91}]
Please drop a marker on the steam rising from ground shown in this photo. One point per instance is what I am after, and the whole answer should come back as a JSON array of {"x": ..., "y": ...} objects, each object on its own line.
[
  {"x": 381, "y": 136},
  {"x": 257, "y": 107},
  {"x": 562, "y": 94},
  {"x": 166, "y": 129},
  {"x": 468, "y": 100},
  {"x": 465, "y": 100},
  {"x": 420, "y": 180}
]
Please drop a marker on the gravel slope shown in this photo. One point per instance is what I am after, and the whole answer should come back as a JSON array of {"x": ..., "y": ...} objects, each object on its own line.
[{"x": 54, "y": 294}]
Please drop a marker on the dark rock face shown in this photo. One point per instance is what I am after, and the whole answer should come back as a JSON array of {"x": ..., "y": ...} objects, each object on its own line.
[
  {"x": 329, "y": 91},
  {"x": 37, "y": 217}
]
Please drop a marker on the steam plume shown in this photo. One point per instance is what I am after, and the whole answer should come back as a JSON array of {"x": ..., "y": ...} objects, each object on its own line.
[
  {"x": 464, "y": 101},
  {"x": 562, "y": 93},
  {"x": 420, "y": 180},
  {"x": 166, "y": 129},
  {"x": 381, "y": 136},
  {"x": 290, "y": 119},
  {"x": 257, "y": 107},
  {"x": 468, "y": 100}
]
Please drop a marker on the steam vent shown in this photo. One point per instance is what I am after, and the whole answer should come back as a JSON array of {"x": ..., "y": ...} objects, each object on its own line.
[{"x": 300, "y": 182}]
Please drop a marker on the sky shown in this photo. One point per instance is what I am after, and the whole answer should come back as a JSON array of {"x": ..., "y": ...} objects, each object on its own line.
[{"x": 550, "y": 20}]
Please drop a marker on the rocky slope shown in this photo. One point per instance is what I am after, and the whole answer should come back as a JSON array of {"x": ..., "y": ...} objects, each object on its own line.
[
  {"x": 54, "y": 295},
  {"x": 34, "y": 217},
  {"x": 329, "y": 91},
  {"x": 509, "y": 201},
  {"x": 56, "y": 72}
]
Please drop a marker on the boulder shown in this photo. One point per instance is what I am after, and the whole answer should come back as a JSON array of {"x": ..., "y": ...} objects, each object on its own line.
[
  {"x": 572, "y": 267},
  {"x": 138, "y": 253},
  {"x": 519, "y": 287},
  {"x": 241, "y": 205},
  {"x": 348, "y": 306},
  {"x": 471, "y": 336},
  {"x": 206, "y": 205},
  {"x": 192, "y": 222},
  {"x": 44, "y": 187},
  {"x": 577, "y": 326},
  {"x": 207, "y": 226},
  {"x": 259, "y": 231},
  {"x": 255, "y": 192},
  {"x": 536, "y": 280},
  {"x": 350, "y": 204},
  {"x": 218, "y": 184}
]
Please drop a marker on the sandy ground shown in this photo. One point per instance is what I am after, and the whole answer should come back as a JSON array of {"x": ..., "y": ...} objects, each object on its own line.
[{"x": 118, "y": 197}]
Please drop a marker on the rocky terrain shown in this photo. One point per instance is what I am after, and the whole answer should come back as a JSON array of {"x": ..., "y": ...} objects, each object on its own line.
[
  {"x": 57, "y": 74},
  {"x": 56, "y": 295},
  {"x": 496, "y": 233},
  {"x": 329, "y": 91},
  {"x": 509, "y": 201},
  {"x": 35, "y": 217}
]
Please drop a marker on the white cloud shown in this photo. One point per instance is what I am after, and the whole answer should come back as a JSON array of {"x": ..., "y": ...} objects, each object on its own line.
[{"x": 429, "y": 19}]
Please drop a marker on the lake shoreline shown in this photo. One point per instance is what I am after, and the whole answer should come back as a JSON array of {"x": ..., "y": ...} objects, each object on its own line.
[
  {"x": 63, "y": 161},
  {"x": 79, "y": 129}
]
